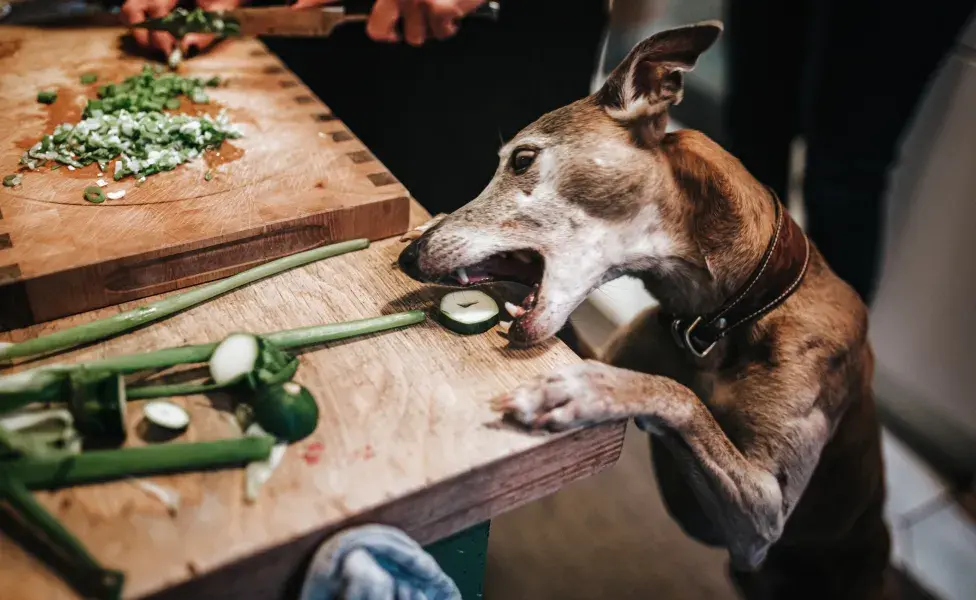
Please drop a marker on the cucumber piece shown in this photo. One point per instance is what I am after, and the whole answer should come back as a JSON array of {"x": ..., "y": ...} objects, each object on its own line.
[
  {"x": 468, "y": 312},
  {"x": 286, "y": 410},
  {"x": 234, "y": 358},
  {"x": 166, "y": 415}
]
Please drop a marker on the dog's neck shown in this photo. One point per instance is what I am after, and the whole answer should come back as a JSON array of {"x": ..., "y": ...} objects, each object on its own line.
[{"x": 732, "y": 218}]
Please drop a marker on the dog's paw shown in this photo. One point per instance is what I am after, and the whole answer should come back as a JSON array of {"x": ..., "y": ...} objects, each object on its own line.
[
  {"x": 419, "y": 231},
  {"x": 569, "y": 397}
]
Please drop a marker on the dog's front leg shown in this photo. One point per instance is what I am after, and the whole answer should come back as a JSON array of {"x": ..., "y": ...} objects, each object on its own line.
[{"x": 738, "y": 488}]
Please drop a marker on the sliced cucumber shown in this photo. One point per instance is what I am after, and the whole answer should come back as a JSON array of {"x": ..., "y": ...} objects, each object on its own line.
[
  {"x": 286, "y": 410},
  {"x": 468, "y": 312},
  {"x": 166, "y": 415},
  {"x": 234, "y": 358}
]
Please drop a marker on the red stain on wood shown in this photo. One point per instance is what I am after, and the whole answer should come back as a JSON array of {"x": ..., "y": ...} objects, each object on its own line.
[{"x": 313, "y": 454}]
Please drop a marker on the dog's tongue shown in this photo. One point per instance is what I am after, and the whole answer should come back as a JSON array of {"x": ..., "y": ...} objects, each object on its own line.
[{"x": 508, "y": 267}]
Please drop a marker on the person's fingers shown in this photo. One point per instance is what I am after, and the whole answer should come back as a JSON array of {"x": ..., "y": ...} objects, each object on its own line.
[
  {"x": 160, "y": 39},
  {"x": 133, "y": 12},
  {"x": 141, "y": 36},
  {"x": 442, "y": 17},
  {"x": 443, "y": 28},
  {"x": 194, "y": 43},
  {"x": 414, "y": 22},
  {"x": 310, "y": 3},
  {"x": 381, "y": 26},
  {"x": 163, "y": 41}
]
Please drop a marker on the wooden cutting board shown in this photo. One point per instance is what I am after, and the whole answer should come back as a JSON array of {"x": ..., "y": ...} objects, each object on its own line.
[{"x": 296, "y": 179}]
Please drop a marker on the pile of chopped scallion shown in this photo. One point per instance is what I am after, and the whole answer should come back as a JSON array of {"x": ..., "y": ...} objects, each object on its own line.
[{"x": 126, "y": 127}]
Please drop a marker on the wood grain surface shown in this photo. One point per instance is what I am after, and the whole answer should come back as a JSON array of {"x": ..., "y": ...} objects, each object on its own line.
[
  {"x": 406, "y": 437},
  {"x": 297, "y": 179}
]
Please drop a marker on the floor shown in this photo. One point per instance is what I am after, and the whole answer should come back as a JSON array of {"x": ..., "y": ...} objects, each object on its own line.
[{"x": 605, "y": 537}]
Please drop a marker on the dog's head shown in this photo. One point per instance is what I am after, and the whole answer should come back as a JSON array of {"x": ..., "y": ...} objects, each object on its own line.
[{"x": 579, "y": 196}]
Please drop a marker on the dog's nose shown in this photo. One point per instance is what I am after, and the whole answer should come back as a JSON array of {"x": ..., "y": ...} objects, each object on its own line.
[{"x": 409, "y": 260}]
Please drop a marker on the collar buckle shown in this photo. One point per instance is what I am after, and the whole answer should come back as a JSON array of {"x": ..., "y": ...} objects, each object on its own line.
[{"x": 683, "y": 338}]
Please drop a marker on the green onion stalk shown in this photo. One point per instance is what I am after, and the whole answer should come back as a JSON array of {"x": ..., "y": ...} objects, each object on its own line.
[
  {"x": 47, "y": 383},
  {"x": 104, "y": 465},
  {"x": 122, "y": 322},
  {"x": 86, "y": 574}
]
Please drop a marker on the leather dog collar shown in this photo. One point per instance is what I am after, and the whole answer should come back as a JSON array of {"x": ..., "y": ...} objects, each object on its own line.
[{"x": 778, "y": 274}]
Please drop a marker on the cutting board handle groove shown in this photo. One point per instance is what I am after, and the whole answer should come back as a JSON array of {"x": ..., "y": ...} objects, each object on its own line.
[{"x": 206, "y": 264}]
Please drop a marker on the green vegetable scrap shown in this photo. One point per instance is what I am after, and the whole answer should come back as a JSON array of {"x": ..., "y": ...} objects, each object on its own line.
[
  {"x": 147, "y": 91},
  {"x": 47, "y": 97},
  {"x": 125, "y": 125},
  {"x": 75, "y": 564},
  {"x": 182, "y": 21},
  {"x": 175, "y": 58},
  {"x": 97, "y": 403},
  {"x": 89, "y": 78},
  {"x": 94, "y": 194},
  {"x": 286, "y": 410},
  {"x": 208, "y": 176},
  {"x": 12, "y": 180}
]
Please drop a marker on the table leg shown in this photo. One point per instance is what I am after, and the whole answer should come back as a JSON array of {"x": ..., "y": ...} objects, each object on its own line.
[{"x": 463, "y": 557}]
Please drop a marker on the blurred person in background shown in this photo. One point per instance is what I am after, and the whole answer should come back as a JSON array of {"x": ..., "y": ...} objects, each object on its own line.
[{"x": 846, "y": 76}]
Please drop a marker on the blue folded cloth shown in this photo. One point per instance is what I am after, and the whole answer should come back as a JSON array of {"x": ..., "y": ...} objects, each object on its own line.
[{"x": 375, "y": 562}]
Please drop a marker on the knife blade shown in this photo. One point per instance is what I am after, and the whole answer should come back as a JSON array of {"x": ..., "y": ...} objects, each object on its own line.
[{"x": 276, "y": 20}]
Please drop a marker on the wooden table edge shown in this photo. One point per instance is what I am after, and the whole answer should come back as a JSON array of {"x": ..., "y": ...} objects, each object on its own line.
[{"x": 278, "y": 572}]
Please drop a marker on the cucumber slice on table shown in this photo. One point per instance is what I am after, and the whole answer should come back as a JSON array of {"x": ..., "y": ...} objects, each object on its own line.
[
  {"x": 166, "y": 415},
  {"x": 468, "y": 312}
]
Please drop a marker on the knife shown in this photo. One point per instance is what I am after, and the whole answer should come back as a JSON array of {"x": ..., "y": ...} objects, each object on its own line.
[{"x": 319, "y": 21}]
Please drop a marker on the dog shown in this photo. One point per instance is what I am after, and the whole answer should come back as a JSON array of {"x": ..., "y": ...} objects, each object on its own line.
[{"x": 752, "y": 375}]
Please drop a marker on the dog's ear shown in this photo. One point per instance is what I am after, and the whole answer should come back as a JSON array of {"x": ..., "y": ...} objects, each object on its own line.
[{"x": 650, "y": 79}]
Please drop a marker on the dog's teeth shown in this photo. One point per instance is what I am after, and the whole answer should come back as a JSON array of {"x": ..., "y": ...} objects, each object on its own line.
[
  {"x": 504, "y": 325},
  {"x": 515, "y": 311},
  {"x": 523, "y": 256},
  {"x": 462, "y": 276}
]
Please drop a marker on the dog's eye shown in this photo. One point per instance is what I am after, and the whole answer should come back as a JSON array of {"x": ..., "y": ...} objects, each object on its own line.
[{"x": 522, "y": 159}]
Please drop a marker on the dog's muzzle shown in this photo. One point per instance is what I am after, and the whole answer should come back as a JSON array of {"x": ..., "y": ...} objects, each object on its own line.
[{"x": 409, "y": 261}]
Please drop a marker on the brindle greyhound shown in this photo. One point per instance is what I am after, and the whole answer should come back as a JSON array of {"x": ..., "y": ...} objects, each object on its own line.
[{"x": 753, "y": 376}]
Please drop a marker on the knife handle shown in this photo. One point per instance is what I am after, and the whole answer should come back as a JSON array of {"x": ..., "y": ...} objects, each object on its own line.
[{"x": 362, "y": 8}]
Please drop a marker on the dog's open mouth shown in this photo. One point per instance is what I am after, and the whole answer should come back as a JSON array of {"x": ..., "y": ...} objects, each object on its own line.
[{"x": 525, "y": 267}]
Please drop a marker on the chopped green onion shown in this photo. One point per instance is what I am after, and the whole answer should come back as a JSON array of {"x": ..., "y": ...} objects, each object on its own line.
[
  {"x": 94, "y": 194},
  {"x": 175, "y": 58},
  {"x": 103, "y": 328},
  {"x": 12, "y": 180},
  {"x": 47, "y": 97},
  {"x": 89, "y": 78},
  {"x": 125, "y": 125},
  {"x": 208, "y": 176}
]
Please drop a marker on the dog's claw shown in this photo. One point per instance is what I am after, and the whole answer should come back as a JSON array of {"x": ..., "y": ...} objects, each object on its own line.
[
  {"x": 566, "y": 398},
  {"x": 415, "y": 233}
]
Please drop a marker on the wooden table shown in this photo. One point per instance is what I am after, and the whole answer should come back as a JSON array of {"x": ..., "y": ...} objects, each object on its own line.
[{"x": 406, "y": 433}]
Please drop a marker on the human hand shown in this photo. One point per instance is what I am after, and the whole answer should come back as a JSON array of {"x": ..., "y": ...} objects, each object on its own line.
[
  {"x": 421, "y": 18},
  {"x": 137, "y": 11}
]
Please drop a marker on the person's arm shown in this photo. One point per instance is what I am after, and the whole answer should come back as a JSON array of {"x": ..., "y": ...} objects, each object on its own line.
[{"x": 422, "y": 19}]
